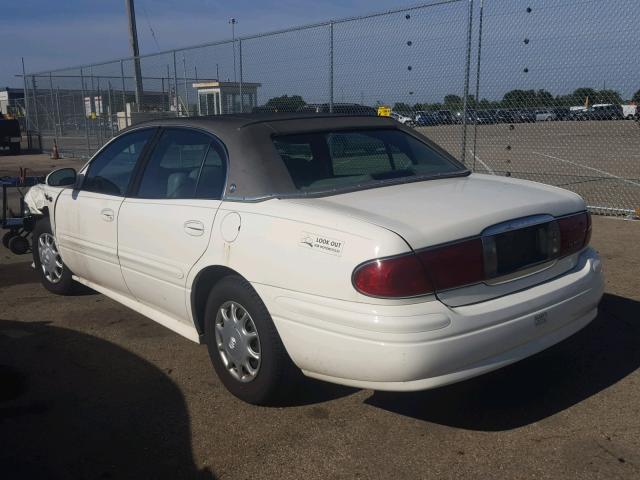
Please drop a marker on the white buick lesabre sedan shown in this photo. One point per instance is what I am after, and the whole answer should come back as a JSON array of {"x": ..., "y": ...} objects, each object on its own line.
[{"x": 352, "y": 248}]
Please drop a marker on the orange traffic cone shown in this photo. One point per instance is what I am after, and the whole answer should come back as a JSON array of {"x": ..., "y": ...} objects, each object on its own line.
[{"x": 55, "y": 155}]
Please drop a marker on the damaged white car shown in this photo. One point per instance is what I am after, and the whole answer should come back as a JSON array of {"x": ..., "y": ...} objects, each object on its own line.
[{"x": 351, "y": 248}]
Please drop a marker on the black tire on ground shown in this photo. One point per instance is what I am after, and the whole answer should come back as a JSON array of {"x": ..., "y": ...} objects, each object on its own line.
[
  {"x": 276, "y": 371},
  {"x": 65, "y": 285},
  {"x": 8, "y": 236},
  {"x": 14, "y": 149},
  {"x": 18, "y": 245}
]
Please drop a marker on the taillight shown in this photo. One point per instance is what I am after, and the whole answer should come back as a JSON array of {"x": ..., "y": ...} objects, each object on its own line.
[
  {"x": 401, "y": 276},
  {"x": 454, "y": 265},
  {"x": 465, "y": 262},
  {"x": 575, "y": 233}
]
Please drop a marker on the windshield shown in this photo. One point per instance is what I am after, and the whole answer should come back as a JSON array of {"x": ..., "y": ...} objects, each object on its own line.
[{"x": 322, "y": 161}]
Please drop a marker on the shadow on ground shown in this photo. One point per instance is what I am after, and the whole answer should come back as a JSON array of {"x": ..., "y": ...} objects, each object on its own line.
[
  {"x": 595, "y": 358},
  {"x": 75, "y": 406},
  {"x": 17, "y": 274}
]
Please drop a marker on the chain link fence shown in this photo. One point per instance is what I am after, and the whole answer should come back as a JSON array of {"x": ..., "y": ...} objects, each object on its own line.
[{"x": 543, "y": 90}]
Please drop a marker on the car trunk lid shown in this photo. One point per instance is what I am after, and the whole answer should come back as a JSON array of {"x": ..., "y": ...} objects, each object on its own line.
[{"x": 437, "y": 212}]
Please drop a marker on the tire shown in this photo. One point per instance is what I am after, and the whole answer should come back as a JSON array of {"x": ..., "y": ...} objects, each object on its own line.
[
  {"x": 59, "y": 282},
  {"x": 273, "y": 372},
  {"x": 6, "y": 238},
  {"x": 14, "y": 149},
  {"x": 18, "y": 245}
]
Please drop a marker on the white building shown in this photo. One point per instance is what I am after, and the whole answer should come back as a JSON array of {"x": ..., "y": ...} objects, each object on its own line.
[{"x": 217, "y": 98}]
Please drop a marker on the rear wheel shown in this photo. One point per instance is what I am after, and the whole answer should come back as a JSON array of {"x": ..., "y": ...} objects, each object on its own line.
[
  {"x": 54, "y": 274},
  {"x": 244, "y": 346}
]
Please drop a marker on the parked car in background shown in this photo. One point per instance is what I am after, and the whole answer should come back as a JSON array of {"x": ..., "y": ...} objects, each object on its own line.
[
  {"x": 577, "y": 114},
  {"x": 545, "y": 115},
  {"x": 446, "y": 117},
  {"x": 562, "y": 113},
  {"x": 507, "y": 116},
  {"x": 351, "y": 248},
  {"x": 484, "y": 117},
  {"x": 10, "y": 135},
  {"x": 424, "y": 119},
  {"x": 405, "y": 120},
  {"x": 339, "y": 108},
  {"x": 605, "y": 111},
  {"x": 526, "y": 116},
  {"x": 598, "y": 112},
  {"x": 629, "y": 112}
]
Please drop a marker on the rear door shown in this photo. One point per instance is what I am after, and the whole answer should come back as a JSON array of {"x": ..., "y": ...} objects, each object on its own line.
[
  {"x": 86, "y": 225},
  {"x": 165, "y": 226}
]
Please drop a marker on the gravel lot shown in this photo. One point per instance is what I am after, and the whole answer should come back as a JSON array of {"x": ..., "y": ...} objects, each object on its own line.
[{"x": 89, "y": 389}]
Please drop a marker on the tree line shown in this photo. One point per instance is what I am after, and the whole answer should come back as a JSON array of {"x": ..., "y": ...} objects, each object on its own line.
[
  {"x": 512, "y": 99},
  {"x": 524, "y": 99}
]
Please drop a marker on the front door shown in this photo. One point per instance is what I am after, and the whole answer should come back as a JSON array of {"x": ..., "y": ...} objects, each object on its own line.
[
  {"x": 165, "y": 226},
  {"x": 86, "y": 219}
]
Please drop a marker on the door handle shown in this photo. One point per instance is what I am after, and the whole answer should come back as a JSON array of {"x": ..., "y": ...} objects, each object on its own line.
[
  {"x": 107, "y": 215},
  {"x": 194, "y": 228}
]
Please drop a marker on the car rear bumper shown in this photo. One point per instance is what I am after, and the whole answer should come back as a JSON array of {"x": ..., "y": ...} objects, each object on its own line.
[{"x": 424, "y": 345}]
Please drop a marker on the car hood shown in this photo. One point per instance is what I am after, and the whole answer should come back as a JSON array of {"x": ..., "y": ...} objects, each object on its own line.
[{"x": 432, "y": 212}]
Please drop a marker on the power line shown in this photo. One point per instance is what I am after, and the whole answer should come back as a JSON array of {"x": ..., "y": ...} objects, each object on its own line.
[{"x": 153, "y": 34}]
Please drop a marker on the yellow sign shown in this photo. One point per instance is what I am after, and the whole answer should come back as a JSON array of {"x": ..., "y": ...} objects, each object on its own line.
[{"x": 384, "y": 111}]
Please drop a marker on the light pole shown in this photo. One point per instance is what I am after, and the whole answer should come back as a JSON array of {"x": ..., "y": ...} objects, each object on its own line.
[
  {"x": 133, "y": 41},
  {"x": 233, "y": 22}
]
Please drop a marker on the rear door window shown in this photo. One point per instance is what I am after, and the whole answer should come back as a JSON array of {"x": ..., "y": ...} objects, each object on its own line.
[{"x": 184, "y": 164}]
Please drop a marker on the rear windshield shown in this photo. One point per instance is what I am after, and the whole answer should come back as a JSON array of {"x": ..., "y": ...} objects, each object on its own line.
[{"x": 322, "y": 161}]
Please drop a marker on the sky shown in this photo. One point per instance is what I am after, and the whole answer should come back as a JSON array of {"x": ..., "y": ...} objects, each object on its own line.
[
  {"x": 60, "y": 33},
  {"x": 558, "y": 45}
]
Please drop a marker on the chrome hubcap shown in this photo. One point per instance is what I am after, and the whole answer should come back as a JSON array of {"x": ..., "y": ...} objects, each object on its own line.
[
  {"x": 238, "y": 341},
  {"x": 50, "y": 260}
]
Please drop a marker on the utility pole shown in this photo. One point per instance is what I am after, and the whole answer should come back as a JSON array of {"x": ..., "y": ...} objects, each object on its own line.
[
  {"x": 133, "y": 41},
  {"x": 233, "y": 22}
]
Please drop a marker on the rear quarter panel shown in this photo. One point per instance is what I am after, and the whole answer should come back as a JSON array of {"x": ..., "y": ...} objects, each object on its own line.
[{"x": 297, "y": 247}]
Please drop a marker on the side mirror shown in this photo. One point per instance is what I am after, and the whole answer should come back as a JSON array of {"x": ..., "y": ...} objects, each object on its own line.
[{"x": 62, "y": 177}]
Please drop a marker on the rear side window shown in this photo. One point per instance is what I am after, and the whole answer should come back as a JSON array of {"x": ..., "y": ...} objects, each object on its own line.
[
  {"x": 184, "y": 164},
  {"x": 330, "y": 160},
  {"x": 110, "y": 171}
]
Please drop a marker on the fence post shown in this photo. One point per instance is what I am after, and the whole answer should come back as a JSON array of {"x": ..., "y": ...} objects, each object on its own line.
[
  {"x": 110, "y": 109},
  {"x": 99, "y": 108},
  {"x": 124, "y": 95},
  {"x": 175, "y": 82},
  {"x": 35, "y": 102},
  {"x": 475, "y": 119},
  {"x": 60, "y": 126},
  {"x": 162, "y": 97},
  {"x": 168, "y": 89},
  {"x": 466, "y": 82},
  {"x": 27, "y": 119},
  {"x": 240, "y": 58},
  {"x": 52, "y": 115},
  {"x": 331, "y": 67},
  {"x": 186, "y": 87},
  {"x": 84, "y": 112}
]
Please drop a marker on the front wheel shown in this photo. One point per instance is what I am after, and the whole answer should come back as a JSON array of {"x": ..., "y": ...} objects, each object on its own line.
[
  {"x": 244, "y": 346},
  {"x": 54, "y": 274}
]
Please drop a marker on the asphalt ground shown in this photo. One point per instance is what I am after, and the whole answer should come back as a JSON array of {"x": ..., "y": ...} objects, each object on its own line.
[{"x": 90, "y": 389}]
